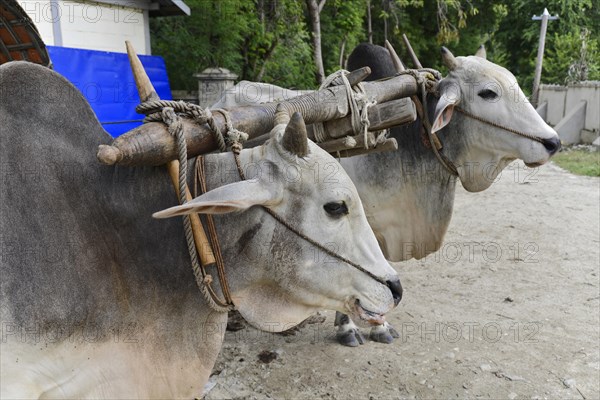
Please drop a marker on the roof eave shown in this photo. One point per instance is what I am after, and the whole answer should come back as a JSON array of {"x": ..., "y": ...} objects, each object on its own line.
[{"x": 169, "y": 8}]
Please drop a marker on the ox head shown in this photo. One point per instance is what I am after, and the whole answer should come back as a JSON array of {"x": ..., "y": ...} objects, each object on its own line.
[
  {"x": 278, "y": 279},
  {"x": 479, "y": 150}
]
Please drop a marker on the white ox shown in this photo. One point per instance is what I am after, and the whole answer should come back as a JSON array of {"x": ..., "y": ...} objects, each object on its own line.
[
  {"x": 407, "y": 194},
  {"x": 98, "y": 299}
]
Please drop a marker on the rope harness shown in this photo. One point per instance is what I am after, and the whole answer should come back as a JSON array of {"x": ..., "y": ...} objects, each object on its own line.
[
  {"x": 426, "y": 86},
  {"x": 497, "y": 125},
  {"x": 358, "y": 102},
  {"x": 170, "y": 113},
  {"x": 165, "y": 111}
]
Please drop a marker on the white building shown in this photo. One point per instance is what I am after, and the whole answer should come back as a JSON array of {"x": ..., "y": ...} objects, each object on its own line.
[{"x": 101, "y": 24}]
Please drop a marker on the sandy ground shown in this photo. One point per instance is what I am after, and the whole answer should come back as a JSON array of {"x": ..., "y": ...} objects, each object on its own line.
[{"x": 509, "y": 308}]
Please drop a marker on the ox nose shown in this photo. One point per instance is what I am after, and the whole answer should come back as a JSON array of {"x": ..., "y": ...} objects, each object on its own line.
[
  {"x": 552, "y": 145},
  {"x": 396, "y": 289}
]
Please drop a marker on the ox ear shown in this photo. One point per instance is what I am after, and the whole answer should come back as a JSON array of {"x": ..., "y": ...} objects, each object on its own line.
[
  {"x": 444, "y": 111},
  {"x": 236, "y": 196}
]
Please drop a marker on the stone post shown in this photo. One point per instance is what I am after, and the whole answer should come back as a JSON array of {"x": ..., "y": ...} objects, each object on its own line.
[{"x": 212, "y": 82}]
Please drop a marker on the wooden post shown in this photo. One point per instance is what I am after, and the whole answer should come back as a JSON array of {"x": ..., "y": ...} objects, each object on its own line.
[{"x": 540, "y": 55}]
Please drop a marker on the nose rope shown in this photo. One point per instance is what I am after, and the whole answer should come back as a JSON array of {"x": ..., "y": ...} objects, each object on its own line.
[
  {"x": 236, "y": 155},
  {"x": 436, "y": 145},
  {"x": 496, "y": 125}
]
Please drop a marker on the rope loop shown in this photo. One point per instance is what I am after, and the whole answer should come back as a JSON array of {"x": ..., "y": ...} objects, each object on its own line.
[
  {"x": 154, "y": 111},
  {"x": 358, "y": 102},
  {"x": 170, "y": 112},
  {"x": 426, "y": 85}
]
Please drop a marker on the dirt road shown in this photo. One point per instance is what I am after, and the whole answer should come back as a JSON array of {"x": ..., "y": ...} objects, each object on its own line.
[{"x": 509, "y": 308}]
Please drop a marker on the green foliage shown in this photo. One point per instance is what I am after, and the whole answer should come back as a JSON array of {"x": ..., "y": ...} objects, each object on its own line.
[
  {"x": 449, "y": 25},
  {"x": 210, "y": 37},
  {"x": 270, "y": 40},
  {"x": 288, "y": 66},
  {"x": 517, "y": 36},
  {"x": 574, "y": 57},
  {"x": 275, "y": 47},
  {"x": 258, "y": 40},
  {"x": 342, "y": 26}
]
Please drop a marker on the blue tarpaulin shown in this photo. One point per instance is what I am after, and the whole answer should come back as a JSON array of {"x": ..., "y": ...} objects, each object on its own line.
[{"x": 106, "y": 81}]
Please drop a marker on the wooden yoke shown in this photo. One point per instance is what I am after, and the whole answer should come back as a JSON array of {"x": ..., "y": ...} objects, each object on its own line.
[
  {"x": 151, "y": 144},
  {"x": 148, "y": 93}
]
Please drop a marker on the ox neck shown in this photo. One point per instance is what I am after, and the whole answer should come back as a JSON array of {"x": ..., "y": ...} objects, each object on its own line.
[
  {"x": 414, "y": 148},
  {"x": 407, "y": 194}
]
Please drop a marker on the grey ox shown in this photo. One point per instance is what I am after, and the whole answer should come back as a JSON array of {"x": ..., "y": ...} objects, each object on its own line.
[
  {"x": 408, "y": 194},
  {"x": 98, "y": 299}
]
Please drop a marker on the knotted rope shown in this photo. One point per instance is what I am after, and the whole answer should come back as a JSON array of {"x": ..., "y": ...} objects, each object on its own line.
[
  {"x": 427, "y": 86},
  {"x": 170, "y": 112},
  {"x": 153, "y": 111},
  {"x": 358, "y": 102}
]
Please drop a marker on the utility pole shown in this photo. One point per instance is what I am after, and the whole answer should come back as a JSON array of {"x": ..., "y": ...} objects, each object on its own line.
[{"x": 545, "y": 17}]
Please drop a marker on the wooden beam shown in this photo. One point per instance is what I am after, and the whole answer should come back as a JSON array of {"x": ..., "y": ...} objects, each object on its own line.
[{"x": 151, "y": 144}]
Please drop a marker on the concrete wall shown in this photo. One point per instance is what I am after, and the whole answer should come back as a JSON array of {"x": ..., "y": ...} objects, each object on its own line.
[
  {"x": 555, "y": 96},
  {"x": 562, "y": 99},
  {"x": 590, "y": 92},
  {"x": 90, "y": 25}
]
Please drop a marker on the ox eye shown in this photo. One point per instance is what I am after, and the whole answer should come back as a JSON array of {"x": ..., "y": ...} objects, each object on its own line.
[
  {"x": 487, "y": 94},
  {"x": 336, "y": 209}
]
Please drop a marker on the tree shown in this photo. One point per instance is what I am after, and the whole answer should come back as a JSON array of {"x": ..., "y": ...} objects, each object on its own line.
[
  {"x": 209, "y": 37},
  {"x": 343, "y": 28},
  {"x": 314, "y": 11},
  {"x": 282, "y": 42},
  {"x": 517, "y": 36},
  {"x": 262, "y": 40}
]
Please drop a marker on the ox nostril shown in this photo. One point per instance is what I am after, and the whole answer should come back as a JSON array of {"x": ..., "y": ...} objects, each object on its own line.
[
  {"x": 552, "y": 145},
  {"x": 396, "y": 289}
]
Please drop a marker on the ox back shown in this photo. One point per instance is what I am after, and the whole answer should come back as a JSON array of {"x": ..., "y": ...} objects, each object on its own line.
[{"x": 88, "y": 276}]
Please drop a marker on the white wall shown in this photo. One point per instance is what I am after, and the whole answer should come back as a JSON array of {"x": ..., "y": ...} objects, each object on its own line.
[{"x": 89, "y": 25}]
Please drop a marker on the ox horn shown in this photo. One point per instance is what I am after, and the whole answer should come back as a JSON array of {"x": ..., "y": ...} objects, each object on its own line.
[
  {"x": 448, "y": 59},
  {"x": 412, "y": 53},
  {"x": 142, "y": 81},
  {"x": 481, "y": 52},
  {"x": 148, "y": 93},
  {"x": 110, "y": 155},
  {"x": 395, "y": 59},
  {"x": 295, "y": 138}
]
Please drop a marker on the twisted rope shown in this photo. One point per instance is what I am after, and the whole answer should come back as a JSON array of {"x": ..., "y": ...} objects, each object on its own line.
[
  {"x": 497, "y": 125},
  {"x": 359, "y": 106},
  {"x": 318, "y": 245},
  {"x": 170, "y": 112},
  {"x": 153, "y": 111},
  {"x": 200, "y": 179},
  {"x": 425, "y": 86},
  {"x": 203, "y": 280}
]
